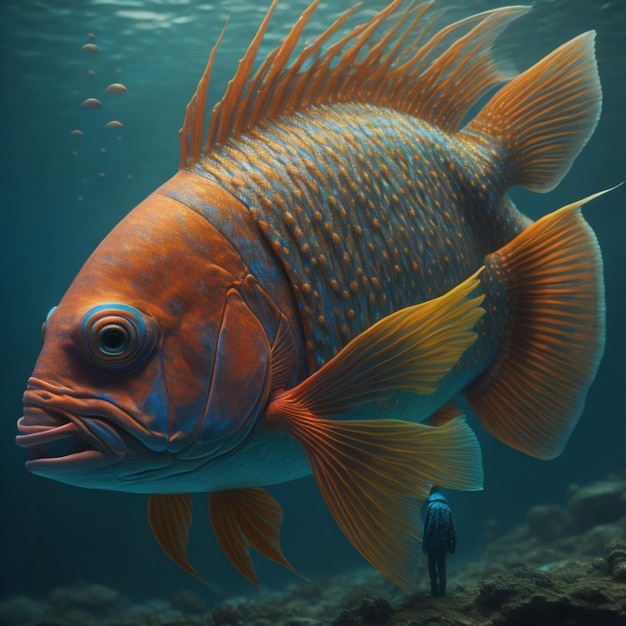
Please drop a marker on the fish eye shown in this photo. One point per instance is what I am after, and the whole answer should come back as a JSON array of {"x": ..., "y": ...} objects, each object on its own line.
[{"x": 118, "y": 336}]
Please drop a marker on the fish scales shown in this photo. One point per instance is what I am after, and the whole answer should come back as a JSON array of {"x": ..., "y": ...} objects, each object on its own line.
[{"x": 369, "y": 211}]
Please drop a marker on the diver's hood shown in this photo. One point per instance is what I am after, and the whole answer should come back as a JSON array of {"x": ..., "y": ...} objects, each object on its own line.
[{"x": 436, "y": 497}]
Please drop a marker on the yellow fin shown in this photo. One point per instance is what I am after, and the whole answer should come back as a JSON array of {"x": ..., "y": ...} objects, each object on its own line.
[
  {"x": 545, "y": 116},
  {"x": 169, "y": 516},
  {"x": 409, "y": 350},
  {"x": 245, "y": 518},
  {"x": 533, "y": 394},
  {"x": 373, "y": 474},
  {"x": 396, "y": 59}
]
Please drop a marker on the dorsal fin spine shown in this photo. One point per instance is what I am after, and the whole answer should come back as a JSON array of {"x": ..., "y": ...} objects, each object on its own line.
[
  {"x": 402, "y": 68},
  {"x": 219, "y": 124},
  {"x": 196, "y": 111},
  {"x": 403, "y": 62},
  {"x": 395, "y": 48},
  {"x": 281, "y": 58},
  {"x": 288, "y": 82},
  {"x": 462, "y": 52},
  {"x": 243, "y": 115},
  {"x": 315, "y": 48},
  {"x": 314, "y": 86},
  {"x": 369, "y": 29}
]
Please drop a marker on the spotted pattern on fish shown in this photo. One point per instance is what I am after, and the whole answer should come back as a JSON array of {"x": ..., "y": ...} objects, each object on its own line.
[{"x": 369, "y": 211}]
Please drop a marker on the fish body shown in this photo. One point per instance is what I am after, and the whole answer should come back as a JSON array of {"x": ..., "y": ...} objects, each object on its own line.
[
  {"x": 334, "y": 262},
  {"x": 398, "y": 223}
]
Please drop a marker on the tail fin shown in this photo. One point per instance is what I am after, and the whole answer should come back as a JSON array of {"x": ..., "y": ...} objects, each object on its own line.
[
  {"x": 545, "y": 116},
  {"x": 534, "y": 393}
]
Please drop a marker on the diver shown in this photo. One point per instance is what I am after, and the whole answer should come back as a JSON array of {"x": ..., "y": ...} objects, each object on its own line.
[{"x": 439, "y": 538}]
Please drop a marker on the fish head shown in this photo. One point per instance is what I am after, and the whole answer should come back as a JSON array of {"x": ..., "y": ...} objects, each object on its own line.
[{"x": 156, "y": 361}]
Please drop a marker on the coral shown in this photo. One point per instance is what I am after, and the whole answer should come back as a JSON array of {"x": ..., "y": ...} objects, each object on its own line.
[
  {"x": 576, "y": 596},
  {"x": 371, "y": 610},
  {"x": 375, "y": 610},
  {"x": 347, "y": 618}
]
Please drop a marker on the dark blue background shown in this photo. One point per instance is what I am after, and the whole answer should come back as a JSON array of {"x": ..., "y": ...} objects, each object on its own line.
[{"x": 56, "y": 207}]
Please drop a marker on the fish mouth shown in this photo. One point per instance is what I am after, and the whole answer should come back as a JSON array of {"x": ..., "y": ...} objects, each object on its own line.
[{"x": 59, "y": 440}]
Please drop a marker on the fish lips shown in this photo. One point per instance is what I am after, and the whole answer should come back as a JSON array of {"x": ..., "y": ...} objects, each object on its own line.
[{"x": 62, "y": 442}]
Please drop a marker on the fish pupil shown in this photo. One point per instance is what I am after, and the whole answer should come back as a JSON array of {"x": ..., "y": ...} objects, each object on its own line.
[{"x": 113, "y": 340}]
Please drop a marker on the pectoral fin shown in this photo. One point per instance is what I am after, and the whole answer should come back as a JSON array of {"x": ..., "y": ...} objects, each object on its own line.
[
  {"x": 442, "y": 416},
  {"x": 372, "y": 474},
  {"x": 409, "y": 350},
  {"x": 245, "y": 518}
]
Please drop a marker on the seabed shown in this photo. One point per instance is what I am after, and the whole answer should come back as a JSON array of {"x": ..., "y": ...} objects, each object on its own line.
[{"x": 564, "y": 565}]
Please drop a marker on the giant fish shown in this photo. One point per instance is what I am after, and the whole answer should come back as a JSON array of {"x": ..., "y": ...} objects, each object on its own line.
[{"x": 335, "y": 262}]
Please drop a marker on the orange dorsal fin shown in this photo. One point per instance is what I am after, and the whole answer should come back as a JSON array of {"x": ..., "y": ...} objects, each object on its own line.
[
  {"x": 397, "y": 59},
  {"x": 373, "y": 476},
  {"x": 545, "y": 116},
  {"x": 191, "y": 135},
  {"x": 534, "y": 392},
  {"x": 244, "y": 519},
  {"x": 169, "y": 516}
]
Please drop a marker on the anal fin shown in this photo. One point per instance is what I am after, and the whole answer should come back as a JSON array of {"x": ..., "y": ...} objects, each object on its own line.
[
  {"x": 534, "y": 392},
  {"x": 245, "y": 518}
]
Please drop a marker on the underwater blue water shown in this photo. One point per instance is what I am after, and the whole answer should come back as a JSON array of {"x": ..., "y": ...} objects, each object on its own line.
[{"x": 62, "y": 193}]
